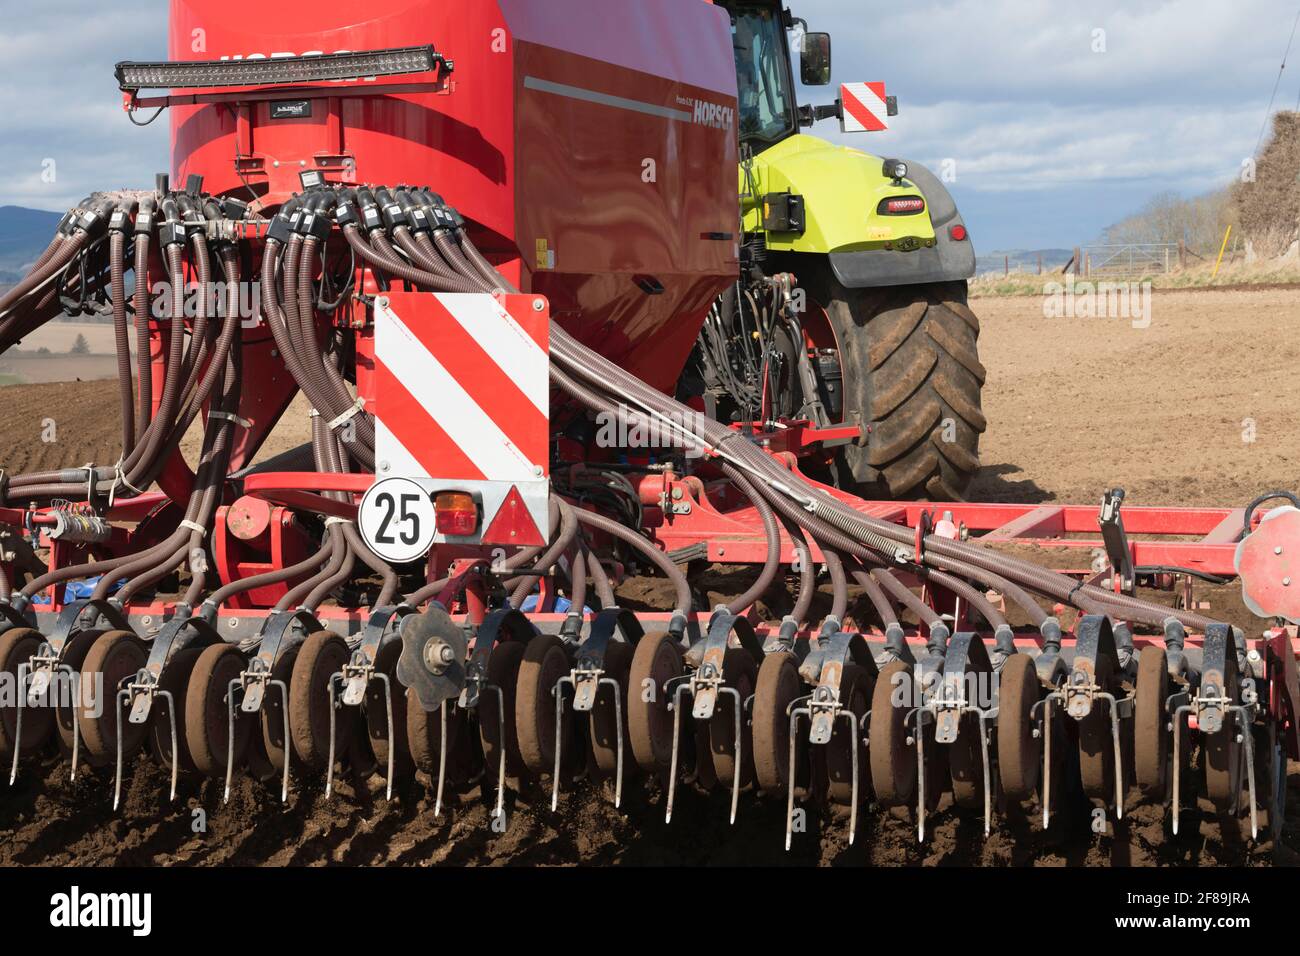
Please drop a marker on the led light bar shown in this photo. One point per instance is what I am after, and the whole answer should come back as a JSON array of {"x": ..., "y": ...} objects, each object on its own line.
[{"x": 278, "y": 71}]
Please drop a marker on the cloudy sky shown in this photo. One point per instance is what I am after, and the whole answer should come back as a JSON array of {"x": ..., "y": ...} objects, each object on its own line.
[{"x": 1051, "y": 139}]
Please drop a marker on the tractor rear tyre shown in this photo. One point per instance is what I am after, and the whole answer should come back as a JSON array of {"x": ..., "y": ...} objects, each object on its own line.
[{"x": 912, "y": 375}]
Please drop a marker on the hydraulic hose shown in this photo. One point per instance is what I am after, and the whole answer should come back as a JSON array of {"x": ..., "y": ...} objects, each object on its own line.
[{"x": 656, "y": 557}]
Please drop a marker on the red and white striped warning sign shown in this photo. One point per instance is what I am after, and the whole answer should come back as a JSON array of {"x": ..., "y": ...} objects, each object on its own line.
[
  {"x": 865, "y": 110},
  {"x": 462, "y": 402}
]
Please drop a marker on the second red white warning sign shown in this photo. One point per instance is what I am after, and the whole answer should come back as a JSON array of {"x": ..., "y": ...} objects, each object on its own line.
[{"x": 865, "y": 109}]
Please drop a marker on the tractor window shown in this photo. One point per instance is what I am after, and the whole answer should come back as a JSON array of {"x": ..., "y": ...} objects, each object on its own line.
[{"x": 762, "y": 74}]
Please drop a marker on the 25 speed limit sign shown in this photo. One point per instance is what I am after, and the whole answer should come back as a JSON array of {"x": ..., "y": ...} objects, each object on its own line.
[{"x": 396, "y": 520}]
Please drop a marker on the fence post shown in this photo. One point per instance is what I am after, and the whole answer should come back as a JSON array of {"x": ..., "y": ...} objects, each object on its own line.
[
  {"x": 1078, "y": 261},
  {"x": 1006, "y": 266},
  {"x": 1087, "y": 264}
]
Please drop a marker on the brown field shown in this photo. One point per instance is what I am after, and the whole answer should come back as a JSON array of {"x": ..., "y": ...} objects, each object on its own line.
[{"x": 1200, "y": 408}]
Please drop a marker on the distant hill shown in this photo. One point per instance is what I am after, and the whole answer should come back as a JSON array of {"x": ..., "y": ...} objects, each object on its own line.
[
  {"x": 24, "y": 234},
  {"x": 1023, "y": 260}
]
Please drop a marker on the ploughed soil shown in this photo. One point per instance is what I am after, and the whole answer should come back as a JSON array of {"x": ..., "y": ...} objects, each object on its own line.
[{"x": 1197, "y": 408}]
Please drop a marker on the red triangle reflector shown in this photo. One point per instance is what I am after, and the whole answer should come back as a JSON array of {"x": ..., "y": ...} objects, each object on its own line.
[{"x": 513, "y": 524}]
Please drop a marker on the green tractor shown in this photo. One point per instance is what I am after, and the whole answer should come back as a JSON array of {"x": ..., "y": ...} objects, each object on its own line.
[{"x": 877, "y": 333}]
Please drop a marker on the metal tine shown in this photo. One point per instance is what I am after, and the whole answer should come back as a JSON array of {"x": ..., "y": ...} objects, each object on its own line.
[
  {"x": 230, "y": 743},
  {"x": 984, "y": 752},
  {"x": 335, "y": 680},
  {"x": 501, "y": 765},
  {"x": 1178, "y": 721},
  {"x": 334, "y": 698},
  {"x": 735, "y": 782},
  {"x": 618, "y": 726},
  {"x": 1046, "y": 731},
  {"x": 919, "y": 735},
  {"x": 854, "y": 730},
  {"x": 1119, "y": 756},
  {"x": 1248, "y": 755},
  {"x": 288, "y": 743},
  {"x": 795, "y": 714},
  {"x": 686, "y": 686},
  {"x": 117, "y": 775},
  {"x": 392, "y": 741},
  {"x": 74, "y": 682},
  {"x": 676, "y": 705},
  {"x": 558, "y": 692},
  {"x": 442, "y": 759},
  {"x": 171, "y": 719},
  {"x": 794, "y": 710},
  {"x": 23, "y": 674},
  {"x": 230, "y": 734}
]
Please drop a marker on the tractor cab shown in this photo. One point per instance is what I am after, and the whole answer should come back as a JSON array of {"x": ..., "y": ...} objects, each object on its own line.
[{"x": 769, "y": 112}]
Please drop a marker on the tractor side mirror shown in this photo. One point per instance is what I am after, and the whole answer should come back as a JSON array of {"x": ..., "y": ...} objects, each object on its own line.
[{"x": 815, "y": 59}]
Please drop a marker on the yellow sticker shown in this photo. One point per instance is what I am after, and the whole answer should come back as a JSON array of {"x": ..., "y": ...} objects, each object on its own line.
[{"x": 543, "y": 255}]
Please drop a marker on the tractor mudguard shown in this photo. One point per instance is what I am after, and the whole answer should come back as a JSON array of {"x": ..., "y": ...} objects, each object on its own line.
[
  {"x": 947, "y": 261},
  {"x": 843, "y": 190}
]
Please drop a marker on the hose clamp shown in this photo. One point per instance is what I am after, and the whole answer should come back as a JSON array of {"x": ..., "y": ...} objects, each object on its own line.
[
  {"x": 119, "y": 478},
  {"x": 194, "y": 526},
  {"x": 90, "y": 484},
  {"x": 229, "y": 417},
  {"x": 347, "y": 416},
  {"x": 333, "y": 520}
]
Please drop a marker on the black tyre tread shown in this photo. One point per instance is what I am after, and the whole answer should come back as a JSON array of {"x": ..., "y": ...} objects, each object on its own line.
[
  {"x": 891, "y": 761},
  {"x": 176, "y": 680},
  {"x": 919, "y": 346},
  {"x": 16, "y": 646},
  {"x": 1019, "y": 752},
  {"x": 206, "y": 723},
  {"x": 778, "y": 685},
  {"x": 1152, "y": 741},
  {"x": 322, "y": 655},
  {"x": 115, "y": 655},
  {"x": 657, "y": 659},
  {"x": 543, "y": 662}
]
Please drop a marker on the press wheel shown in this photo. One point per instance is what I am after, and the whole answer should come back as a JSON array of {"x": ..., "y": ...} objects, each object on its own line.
[
  {"x": 376, "y": 712},
  {"x": 656, "y": 661},
  {"x": 545, "y": 661},
  {"x": 892, "y": 760},
  {"x": 966, "y": 764},
  {"x": 17, "y": 646},
  {"x": 856, "y": 691},
  {"x": 321, "y": 656},
  {"x": 603, "y": 719},
  {"x": 740, "y": 671},
  {"x": 75, "y": 652},
  {"x": 1152, "y": 737},
  {"x": 1020, "y": 753},
  {"x": 175, "y": 679},
  {"x": 274, "y": 746},
  {"x": 424, "y": 733},
  {"x": 1270, "y": 784},
  {"x": 1096, "y": 741},
  {"x": 113, "y": 657},
  {"x": 778, "y": 686},
  {"x": 207, "y": 727},
  {"x": 505, "y": 670}
]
